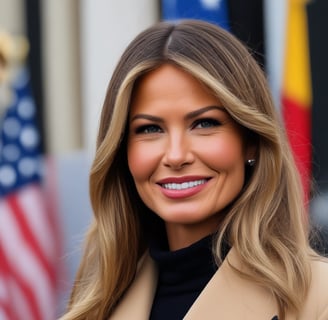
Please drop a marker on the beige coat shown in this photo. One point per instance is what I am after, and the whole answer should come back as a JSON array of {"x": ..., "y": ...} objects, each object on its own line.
[{"x": 227, "y": 296}]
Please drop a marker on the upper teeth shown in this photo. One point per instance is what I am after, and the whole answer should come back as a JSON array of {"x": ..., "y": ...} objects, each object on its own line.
[{"x": 184, "y": 185}]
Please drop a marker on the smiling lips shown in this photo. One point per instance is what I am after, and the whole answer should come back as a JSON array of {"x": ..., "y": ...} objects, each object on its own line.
[{"x": 182, "y": 187}]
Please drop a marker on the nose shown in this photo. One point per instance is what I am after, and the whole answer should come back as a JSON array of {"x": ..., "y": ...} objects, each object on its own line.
[{"x": 178, "y": 151}]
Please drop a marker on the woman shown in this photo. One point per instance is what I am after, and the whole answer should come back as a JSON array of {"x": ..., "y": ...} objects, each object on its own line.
[{"x": 198, "y": 207}]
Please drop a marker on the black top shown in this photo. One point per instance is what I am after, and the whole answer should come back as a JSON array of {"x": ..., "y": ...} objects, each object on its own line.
[{"x": 183, "y": 274}]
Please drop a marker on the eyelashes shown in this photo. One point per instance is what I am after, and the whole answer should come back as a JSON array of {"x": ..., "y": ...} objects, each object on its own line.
[
  {"x": 148, "y": 128},
  {"x": 204, "y": 123}
]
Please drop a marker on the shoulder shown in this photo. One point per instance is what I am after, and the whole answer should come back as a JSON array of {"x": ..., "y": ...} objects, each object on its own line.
[
  {"x": 318, "y": 293},
  {"x": 319, "y": 269}
]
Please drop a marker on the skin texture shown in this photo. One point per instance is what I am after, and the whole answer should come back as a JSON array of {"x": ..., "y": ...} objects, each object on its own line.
[{"x": 180, "y": 133}]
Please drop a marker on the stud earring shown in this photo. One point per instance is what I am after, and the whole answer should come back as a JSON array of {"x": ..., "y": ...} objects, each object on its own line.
[{"x": 251, "y": 162}]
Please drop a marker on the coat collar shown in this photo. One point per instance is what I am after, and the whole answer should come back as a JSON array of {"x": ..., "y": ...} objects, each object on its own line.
[
  {"x": 227, "y": 294},
  {"x": 231, "y": 296},
  {"x": 137, "y": 301}
]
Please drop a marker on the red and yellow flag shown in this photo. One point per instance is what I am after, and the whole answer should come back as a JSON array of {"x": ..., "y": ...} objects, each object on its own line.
[{"x": 296, "y": 92}]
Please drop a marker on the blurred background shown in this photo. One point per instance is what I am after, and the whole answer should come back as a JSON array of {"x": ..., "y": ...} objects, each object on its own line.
[{"x": 56, "y": 59}]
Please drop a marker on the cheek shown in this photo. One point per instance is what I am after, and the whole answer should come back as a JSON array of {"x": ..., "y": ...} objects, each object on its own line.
[
  {"x": 223, "y": 153},
  {"x": 141, "y": 160}
]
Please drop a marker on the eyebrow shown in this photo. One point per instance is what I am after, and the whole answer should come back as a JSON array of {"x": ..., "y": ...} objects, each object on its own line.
[
  {"x": 196, "y": 113},
  {"x": 188, "y": 116}
]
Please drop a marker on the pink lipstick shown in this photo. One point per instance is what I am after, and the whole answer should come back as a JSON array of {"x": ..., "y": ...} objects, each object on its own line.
[{"x": 182, "y": 187}]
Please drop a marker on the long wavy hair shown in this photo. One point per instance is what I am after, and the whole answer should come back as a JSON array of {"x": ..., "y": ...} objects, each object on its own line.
[{"x": 266, "y": 224}]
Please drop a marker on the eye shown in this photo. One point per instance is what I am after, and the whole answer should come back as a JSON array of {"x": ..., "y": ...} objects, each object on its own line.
[
  {"x": 147, "y": 129},
  {"x": 206, "y": 123}
]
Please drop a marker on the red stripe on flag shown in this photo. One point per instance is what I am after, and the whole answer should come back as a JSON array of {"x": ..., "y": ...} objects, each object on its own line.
[
  {"x": 298, "y": 127},
  {"x": 28, "y": 293},
  {"x": 21, "y": 220},
  {"x": 28, "y": 270},
  {"x": 8, "y": 303},
  {"x": 5, "y": 297}
]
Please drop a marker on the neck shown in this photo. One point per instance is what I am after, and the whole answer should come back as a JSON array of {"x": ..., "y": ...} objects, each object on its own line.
[{"x": 180, "y": 236}]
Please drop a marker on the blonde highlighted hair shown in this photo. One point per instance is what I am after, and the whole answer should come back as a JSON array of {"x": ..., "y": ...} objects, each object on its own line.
[{"x": 266, "y": 224}]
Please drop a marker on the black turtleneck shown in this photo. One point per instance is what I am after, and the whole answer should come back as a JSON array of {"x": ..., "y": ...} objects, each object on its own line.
[{"x": 183, "y": 274}]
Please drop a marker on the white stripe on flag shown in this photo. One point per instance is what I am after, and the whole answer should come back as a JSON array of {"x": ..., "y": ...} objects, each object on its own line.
[
  {"x": 3, "y": 316},
  {"x": 20, "y": 304},
  {"x": 4, "y": 297},
  {"x": 31, "y": 201},
  {"x": 24, "y": 261}
]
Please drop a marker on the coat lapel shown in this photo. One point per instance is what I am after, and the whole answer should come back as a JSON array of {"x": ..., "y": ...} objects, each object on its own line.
[
  {"x": 137, "y": 301},
  {"x": 227, "y": 296}
]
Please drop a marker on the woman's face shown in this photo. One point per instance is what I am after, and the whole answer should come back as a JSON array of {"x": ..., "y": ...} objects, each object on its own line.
[{"x": 185, "y": 153}]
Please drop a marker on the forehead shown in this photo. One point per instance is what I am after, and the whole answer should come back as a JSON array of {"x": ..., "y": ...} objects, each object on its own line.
[
  {"x": 168, "y": 73},
  {"x": 170, "y": 84}
]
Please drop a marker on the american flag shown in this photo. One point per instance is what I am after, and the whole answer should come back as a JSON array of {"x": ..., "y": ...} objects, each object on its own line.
[{"x": 28, "y": 232}]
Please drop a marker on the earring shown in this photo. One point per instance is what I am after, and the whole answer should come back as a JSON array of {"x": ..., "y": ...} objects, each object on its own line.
[{"x": 251, "y": 162}]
